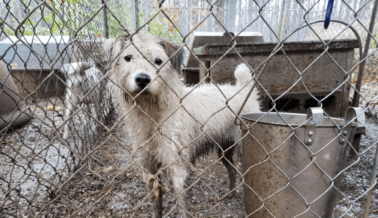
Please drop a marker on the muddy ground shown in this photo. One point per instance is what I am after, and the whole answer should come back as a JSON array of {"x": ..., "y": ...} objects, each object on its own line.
[{"x": 40, "y": 174}]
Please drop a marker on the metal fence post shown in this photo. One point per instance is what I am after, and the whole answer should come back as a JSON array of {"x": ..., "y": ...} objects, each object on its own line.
[
  {"x": 135, "y": 5},
  {"x": 105, "y": 20},
  {"x": 356, "y": 96},
  {"x": 282, "y": 25}
]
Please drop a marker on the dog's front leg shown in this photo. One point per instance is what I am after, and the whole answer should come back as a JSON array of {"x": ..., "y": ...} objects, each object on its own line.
[
  {"x": 70, "y": 108},
  {"x": 157, "y": 195},
  {"x": 179, "y": 177},
  {"x": 157, "y": 202}
]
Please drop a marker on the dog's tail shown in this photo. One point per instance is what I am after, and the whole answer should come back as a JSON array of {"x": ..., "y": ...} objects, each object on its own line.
[
  {"x": 74, "y": 68},
  {"x": 243, "y": 75}
]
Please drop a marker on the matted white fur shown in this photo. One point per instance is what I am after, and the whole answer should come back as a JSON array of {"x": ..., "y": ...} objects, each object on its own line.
[{"x": 165, "y": 129}]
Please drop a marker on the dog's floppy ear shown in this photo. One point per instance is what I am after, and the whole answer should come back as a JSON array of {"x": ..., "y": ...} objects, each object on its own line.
[
  {"x": 170, "y": 48},
  {"x": 104, "y": 55},
  {"x": 117, "y": 45},
  {"x": 112, "y": 48}
]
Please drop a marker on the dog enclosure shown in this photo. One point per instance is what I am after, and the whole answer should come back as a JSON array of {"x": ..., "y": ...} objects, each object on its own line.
[{"x": 92, "y": 173}]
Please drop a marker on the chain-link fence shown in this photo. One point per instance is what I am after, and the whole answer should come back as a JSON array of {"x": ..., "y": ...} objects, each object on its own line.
[{"x": 104, "y": 114}]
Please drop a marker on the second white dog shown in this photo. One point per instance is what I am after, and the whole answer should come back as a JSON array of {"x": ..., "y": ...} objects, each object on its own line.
[{"x": 81, "y": 79}]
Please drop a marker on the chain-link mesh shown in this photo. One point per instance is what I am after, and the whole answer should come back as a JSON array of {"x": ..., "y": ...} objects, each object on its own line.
[{"x": 77, "y": 140}]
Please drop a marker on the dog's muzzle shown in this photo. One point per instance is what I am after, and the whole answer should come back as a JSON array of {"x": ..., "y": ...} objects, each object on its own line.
[{"x": 142, "y": 80}]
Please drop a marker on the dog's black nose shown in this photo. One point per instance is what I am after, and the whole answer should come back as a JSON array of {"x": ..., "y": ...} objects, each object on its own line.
[{"x": 142, "y": 80}]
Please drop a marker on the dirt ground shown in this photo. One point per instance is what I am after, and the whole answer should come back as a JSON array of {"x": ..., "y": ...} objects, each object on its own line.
[
  {"x": 355, "y": 180},
  {"x": 38, "y": 174}
]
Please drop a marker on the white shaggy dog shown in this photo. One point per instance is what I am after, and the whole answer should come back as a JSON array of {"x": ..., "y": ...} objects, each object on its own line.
[
  {"x": 81, "y": 77},
  {"x": 168, "y": 128}
]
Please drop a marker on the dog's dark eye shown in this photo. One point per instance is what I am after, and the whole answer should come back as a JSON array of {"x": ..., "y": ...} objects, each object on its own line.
[
  {"x": 128, "y": 58},
  {"x": 158, "y": 61}
]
